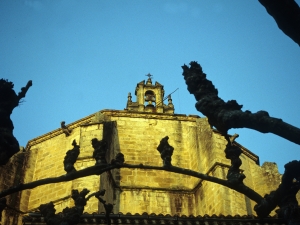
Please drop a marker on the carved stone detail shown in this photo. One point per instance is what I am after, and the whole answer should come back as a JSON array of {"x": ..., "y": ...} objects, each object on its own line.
[{"x": 65, "y": 129}]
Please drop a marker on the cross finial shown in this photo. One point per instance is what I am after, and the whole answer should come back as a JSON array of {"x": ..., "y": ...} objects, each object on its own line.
[{"x": 149, "y": 75}]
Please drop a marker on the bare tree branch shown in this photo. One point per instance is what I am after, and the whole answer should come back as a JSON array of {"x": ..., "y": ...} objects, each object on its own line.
[
  {"x": 284, "y": 196},
  {"x": 93, "y": 170},
  {"x": 99, "y": 169},
  {"x": 9, "y": 100},
  {"x": 227, "y": 115},
  {"x": 286, "y": 13}
]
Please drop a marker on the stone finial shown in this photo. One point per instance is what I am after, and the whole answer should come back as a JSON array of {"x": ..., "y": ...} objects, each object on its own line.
[
  {"x": 149, "y": 81},
  {"x": 129, "y": 98},
  {"x": 65, "y": 129},
  {"x": 170, "y": 103}
]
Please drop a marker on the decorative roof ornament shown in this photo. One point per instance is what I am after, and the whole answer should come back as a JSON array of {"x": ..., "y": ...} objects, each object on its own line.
[
  {"x": 149, "y": 81},
  {"x": 149, "y": 76},
  {"x": 67, "y": 131}
]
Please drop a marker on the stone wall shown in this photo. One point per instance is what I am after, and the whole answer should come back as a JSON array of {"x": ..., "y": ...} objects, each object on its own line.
[
  {"x": 137, "y": 135},
  {"x": 138, "y": 139},
  {"x": 196, "y": 147},
  {"x": 49, "y": 163},
  {"x": 50, "y": 150},
  {"x": 211, "y": 198},
  {"x": 174, "y": 202}
]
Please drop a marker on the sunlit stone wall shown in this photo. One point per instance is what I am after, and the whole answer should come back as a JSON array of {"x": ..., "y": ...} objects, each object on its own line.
[{"x": 137, "y": 134}]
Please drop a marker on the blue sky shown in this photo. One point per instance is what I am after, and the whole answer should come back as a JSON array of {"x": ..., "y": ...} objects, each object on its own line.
[{"x": 85, "y": 56}]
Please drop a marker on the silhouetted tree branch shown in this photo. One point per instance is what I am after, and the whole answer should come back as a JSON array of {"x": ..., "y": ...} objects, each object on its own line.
[
  {"x": 226, "y": 115},
  {"x": 8, "y": 101},
  {"x": 93, "y": 170},
  {"x": 99, "y": 169},
  {"x": 284, "y": 196},
  {"x": 286, "y": 13},
  {"x": 69, "y": 216}
]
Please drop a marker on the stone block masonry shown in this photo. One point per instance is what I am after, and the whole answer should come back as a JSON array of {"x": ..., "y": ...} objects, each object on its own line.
[{"x": 137, "y": 134}]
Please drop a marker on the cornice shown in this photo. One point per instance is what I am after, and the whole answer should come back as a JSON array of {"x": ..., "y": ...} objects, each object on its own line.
[
  {"x": 58, "y": 131},
  {"x": 146, "y": 115}
]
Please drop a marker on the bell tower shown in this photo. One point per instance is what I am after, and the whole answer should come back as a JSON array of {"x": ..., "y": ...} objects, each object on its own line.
[{"x": 149, "y": 98}]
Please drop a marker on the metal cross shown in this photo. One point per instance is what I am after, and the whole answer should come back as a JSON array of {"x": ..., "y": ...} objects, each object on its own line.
[{"x": 149, "y": 75}]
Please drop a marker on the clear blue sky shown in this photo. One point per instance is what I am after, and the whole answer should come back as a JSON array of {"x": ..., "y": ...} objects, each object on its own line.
[{"x": 84, "y": 56}]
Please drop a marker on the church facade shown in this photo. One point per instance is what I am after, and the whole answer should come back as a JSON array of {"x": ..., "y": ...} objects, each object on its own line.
[{"x": 136, "y": 132}]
